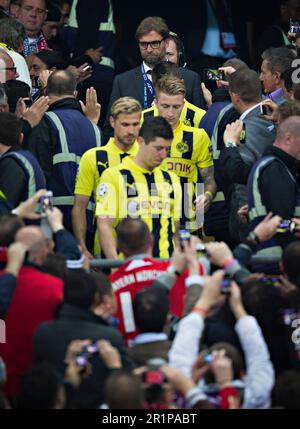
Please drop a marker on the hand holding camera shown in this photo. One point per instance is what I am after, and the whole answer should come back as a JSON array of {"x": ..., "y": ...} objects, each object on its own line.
[
  {"x": 211, "y": 294},
  {"x": 270, "y": 110},
  {"x": 235, "y": 301},
  {"x": 294, "y": 28},
  {"x": 109, "y": 354},
  {"x": 27, "y": 209},
  {"x": 35, "y": 112},
  {"x": 178, "y": 380},
  {"x": 75, "y": 371},
  {"x": 214, "y": 74},
  {"x": 55, "y": 218},
  {"x": 267, "y": 228},
  {"x": 218, "y": 253}
]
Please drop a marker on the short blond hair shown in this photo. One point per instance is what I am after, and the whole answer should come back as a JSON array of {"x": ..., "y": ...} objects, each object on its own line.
[
  {"x": 125, "y": 105},
  {"x": 170, "y": 85}
]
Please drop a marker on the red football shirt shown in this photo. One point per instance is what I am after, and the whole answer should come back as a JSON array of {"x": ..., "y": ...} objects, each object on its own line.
[{"x": 134, "y": 276}]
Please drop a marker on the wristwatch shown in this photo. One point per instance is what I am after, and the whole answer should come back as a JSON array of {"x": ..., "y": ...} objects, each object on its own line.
[
  {"x": 230, "y": 143},
  {"x": 253, "y": 238}
]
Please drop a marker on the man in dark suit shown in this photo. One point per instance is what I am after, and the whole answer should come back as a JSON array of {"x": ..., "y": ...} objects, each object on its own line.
[
  {"x": 151, "y": 35},
  {"x": 87, "y": 302}
]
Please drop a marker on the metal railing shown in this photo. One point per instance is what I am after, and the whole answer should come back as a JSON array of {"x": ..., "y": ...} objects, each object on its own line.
[{"x": 116, "y": 263}]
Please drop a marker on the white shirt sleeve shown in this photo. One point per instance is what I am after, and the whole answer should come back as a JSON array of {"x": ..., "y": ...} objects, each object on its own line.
[
  {"x": 185, "y": 347},
  {"x": 260, "y": 375}
]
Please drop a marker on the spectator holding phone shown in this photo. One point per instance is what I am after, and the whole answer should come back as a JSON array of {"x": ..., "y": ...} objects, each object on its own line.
[
  {"x": 86, "y": 300},
  {"x": 258, "y": 374}
]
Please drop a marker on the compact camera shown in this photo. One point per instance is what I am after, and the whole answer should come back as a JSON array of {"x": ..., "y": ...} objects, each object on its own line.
[
  {"x": 208, "y": 358},
  {"x": 184, "y": 235},
  {"x": 286, "y": 226},
  {"x": 265, "y": 110},
  {"x": 294, "y": 26},
  {"x": 225, "y": 285},
  {"x": 83, "y": 357},
  {"x": 46, "y": 201}
]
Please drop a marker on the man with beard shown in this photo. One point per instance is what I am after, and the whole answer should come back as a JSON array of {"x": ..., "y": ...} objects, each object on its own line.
[{"x": 152, "y": 35}]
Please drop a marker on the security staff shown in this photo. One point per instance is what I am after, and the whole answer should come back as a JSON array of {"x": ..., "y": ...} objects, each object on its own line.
[
  {"x": 59, "y": 141},
  {"x": 273, "y": 186},
  {"x": 125, "y": 120},
  {"x": 139, "y": 187},
  {"x": 20, "y": 173}
]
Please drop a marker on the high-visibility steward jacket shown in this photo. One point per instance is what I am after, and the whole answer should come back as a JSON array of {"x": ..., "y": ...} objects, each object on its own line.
[
  {"x": 106, "y": 39},
  {"x": 258, "y": 211},
  {"x": 218, "y": 213},
  {"x": 35, "y": 176},
  {"x": 75, "y": 135}
]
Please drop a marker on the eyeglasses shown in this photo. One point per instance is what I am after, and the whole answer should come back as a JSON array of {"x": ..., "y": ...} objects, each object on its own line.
[
  {"x": 14, "y": 69},
  {"x": 154, "y": 45},
  {"x": 31, "y": 8}
]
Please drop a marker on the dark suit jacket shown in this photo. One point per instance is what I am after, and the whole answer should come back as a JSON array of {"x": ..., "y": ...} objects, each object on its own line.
[
  {"x": 52, "y": 339},
  {"x": 131, "y": 84}
]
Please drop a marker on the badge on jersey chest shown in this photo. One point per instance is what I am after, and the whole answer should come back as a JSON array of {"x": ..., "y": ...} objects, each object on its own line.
[
  {"x": 187, "y": 122},
  {"x": 182, "y": 147}
]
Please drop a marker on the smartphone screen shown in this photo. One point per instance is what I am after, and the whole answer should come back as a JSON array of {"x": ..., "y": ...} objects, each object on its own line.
[{"x": 214, "y": 74}]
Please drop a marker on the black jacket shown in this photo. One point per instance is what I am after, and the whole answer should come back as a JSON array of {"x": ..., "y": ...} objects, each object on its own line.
[
  {"x": 131, "y": 84},
  {"x": 13, "y": 180},
  {"x": 51, "y": 340},
  {"x": 278, "y": 191}
]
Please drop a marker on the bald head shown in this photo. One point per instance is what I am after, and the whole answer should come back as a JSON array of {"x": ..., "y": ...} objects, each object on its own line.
[
  {"x": 33, "y": 237},
  {"x": 133, "y": 237},
  {"x": 29, "y": 235},
  {"x": 290, "y": 125},
  {"x": 61, "y": 83},
  {"x": 288, "y": 136}
]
